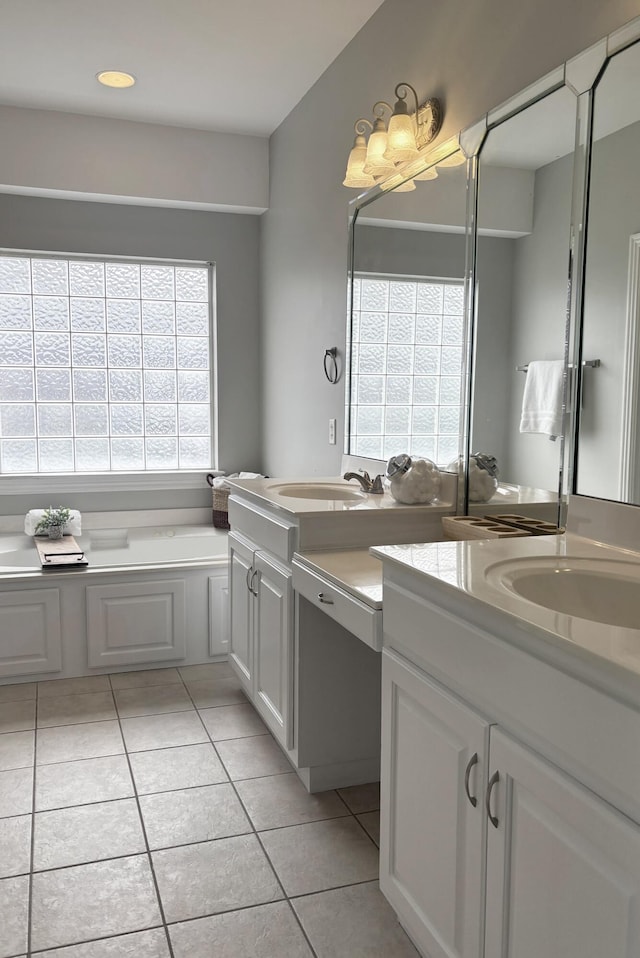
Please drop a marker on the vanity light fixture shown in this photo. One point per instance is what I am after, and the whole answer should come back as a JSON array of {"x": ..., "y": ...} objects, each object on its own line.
[
  {"x": 356, "y": 175},
  {"x": 115, "y": 79},
  {"x": 456, "y": 159},
  {"x": 403, "y": 140}
]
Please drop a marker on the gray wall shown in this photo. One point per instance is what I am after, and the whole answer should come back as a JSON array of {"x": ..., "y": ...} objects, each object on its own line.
[
  {"x": 412, "y": 252},
  {"x": 473, "y": 56},
  {"x": 231, "y": 241},
  {"x": 540, "y": 278}
]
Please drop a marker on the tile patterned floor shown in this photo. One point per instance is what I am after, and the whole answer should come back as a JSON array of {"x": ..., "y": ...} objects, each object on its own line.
[{"x": 151, "y": 815}]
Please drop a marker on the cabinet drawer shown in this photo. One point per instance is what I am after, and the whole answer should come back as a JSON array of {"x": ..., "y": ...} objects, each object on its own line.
[
  {"x": 358, "y": 618},
  {"x": 276, "y": 535}
]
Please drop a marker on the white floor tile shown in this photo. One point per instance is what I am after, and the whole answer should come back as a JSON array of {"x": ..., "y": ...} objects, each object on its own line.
[
  {"x": 193, "y": 815},
  {"x": 145, "y": 678},
  {"x": 19, "y": 692},
  {"x": 152, "y": 700},
  {"x": 78, "y": 783},
  {"x": 92, "y": 901},
  {"x": 83, "y": 683},
  {"x": 87, "y": 833},
  {"x": 16, "y": 750},
  {"x": 279, "y": 800},
  {"x": 309, "y": 858},
  {"x": 232, "y": 721},
  {"x": 186, "y": 766},
  {"x": 355, "y": 922},
  {"x": 17, "y": 716},
  {"x": 198, "y": 880},
  {"x": 68, "y": 743},
  {"x": 252, "y": 757},
  {"x": 138, "y": 944},
  {"x": 14, "y": 909},
  {"x": 268, "y": 931},
  {"x": 163, "y": 731},
  {"x": 15, "y": 846},
  {"x": 16, "y": 792},
  {"x": 75, "y": 709}
]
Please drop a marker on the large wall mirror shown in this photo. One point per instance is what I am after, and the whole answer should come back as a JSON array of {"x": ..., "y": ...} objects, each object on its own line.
[
  {"x": 407, "y": 326},
  {"x": 608, "y": 447},
  {"x": 525, "y": 179}
]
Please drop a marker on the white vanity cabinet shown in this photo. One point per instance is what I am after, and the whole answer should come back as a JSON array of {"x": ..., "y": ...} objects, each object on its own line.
[
  {"x": 433, "y": 826},
  {"x": 521, "y": 853},
  {"x": 262, "y": 632}
]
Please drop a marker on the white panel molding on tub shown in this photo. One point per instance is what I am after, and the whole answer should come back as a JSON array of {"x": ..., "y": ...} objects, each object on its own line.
[
  {"x": 219, "y": 613},
  {"x": 30, "y": 630},
  {"x": 134, "y": 623}
]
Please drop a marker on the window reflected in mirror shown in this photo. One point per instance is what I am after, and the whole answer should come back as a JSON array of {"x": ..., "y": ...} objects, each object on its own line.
[
  {"x": 407, "y": 366},
  {"x": 407, "y": 330}
]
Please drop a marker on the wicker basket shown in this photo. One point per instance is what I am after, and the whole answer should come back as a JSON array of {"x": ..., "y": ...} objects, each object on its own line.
[{"x": 220, "y": 503}]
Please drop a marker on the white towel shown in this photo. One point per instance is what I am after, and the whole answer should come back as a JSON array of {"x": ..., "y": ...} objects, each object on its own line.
[
  {"x": 33, "y": 517},
  {"x": 542, "y": 399}
]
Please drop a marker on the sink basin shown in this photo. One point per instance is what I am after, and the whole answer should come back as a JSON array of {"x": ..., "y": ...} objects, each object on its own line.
[
  {"x": 317, "y": 490},
  {"x": 606, "y": 591}
]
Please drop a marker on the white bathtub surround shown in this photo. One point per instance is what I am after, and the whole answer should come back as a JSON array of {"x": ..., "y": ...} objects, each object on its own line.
[
  {"x": 71, "y": 528},
  {"x": 154, "y": 594}
]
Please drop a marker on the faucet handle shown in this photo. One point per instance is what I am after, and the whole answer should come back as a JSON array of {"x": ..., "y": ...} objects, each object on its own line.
[
  {"x": 365, "y": 475},
  {"x": 376, "y": 485}
]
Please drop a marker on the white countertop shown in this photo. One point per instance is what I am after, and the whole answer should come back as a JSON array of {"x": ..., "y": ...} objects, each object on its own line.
[
  {"x": 354, "y": 570},
  {"x": 265, "y": 491},
  {"x": 460, "y": 572}
]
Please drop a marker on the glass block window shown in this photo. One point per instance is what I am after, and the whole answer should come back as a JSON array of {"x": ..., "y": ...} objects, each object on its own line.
[
  {"x": 104, "y": 365},
  {"x": 407, "y": 354}
]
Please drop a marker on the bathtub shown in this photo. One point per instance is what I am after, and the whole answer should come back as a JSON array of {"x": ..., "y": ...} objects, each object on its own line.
[
  {"x": 151, "y": 596},
  {"x": 126, "y": 548}
]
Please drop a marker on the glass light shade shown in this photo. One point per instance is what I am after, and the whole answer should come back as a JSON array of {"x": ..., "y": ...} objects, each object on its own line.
[
  {"x": 456, "y": 159},
  {"x": 405, "y": 187},
  {"x": 355, "y": 176},
  {"x": 376, "y": 163},
  {"x": 430, "y": 174},
  {"x": 401, "y": 139}
]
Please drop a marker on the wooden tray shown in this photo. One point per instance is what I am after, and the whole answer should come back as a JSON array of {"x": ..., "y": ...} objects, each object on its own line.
[
  {"x": 535, "y": 527},
  {"x": 60, "y": 553},
  {"x": 473, "y": 527}
]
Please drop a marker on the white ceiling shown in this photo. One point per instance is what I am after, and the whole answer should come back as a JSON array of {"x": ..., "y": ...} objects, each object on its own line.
[{"x": 236, "y": 66}]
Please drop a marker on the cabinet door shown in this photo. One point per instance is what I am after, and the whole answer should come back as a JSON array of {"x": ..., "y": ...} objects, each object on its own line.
[
  {"x": 274, "y": 646},
  {"x": 432, "y": 834},
  {"x": 240, "y": 611},
  {"x": 563, "y": 867}
]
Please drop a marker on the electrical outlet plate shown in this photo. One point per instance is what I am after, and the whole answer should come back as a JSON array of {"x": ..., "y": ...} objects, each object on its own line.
[{"x": 332, "y": 432}]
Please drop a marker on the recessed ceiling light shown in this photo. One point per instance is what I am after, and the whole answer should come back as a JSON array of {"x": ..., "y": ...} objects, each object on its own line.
[{"x": 115, "y": 78}]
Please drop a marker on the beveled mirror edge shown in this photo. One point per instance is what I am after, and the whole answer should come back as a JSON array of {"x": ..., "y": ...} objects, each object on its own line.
[{"x": 580, "y": 75}]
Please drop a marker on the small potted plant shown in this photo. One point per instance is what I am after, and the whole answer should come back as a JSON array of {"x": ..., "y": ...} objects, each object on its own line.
[{"x": 53, "y": 522}]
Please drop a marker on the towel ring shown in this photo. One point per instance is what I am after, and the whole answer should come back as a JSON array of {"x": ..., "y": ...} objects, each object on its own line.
[{"x": 331, "y": 364}]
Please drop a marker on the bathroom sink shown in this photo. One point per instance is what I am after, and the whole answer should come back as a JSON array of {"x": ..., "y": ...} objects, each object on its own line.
[
  {"x": 317, "y": 490},
  {"x": 600, "y": 590}
]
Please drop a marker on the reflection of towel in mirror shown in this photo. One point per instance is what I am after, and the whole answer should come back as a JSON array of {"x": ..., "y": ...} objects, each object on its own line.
[{"x": 542, "y": 399}]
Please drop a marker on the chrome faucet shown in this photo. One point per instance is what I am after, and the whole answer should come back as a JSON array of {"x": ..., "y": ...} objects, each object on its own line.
[{"x": 367, "y": 484}]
